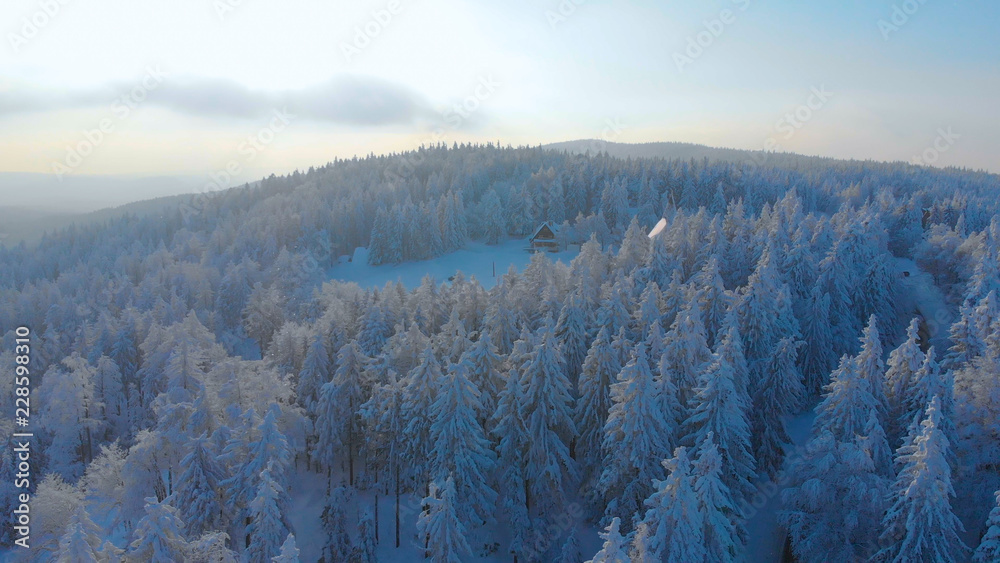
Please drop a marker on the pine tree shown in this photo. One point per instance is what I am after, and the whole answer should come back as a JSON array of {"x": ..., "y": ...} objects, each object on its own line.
[
  {"x": 82, "y": 540},
  {"x": 817, "y": 358},
  {"x": 315, "y": 373},
  {"x": 672, "y": 528},
  {"x": 439, "y": 527},
  {"x": 722, "y": 519},
  {"x": 989, "y": 547},
  {"x": 461, "y": 451},
  {"x": 382, "y": 415},
  {"x": 615, "y": 549},
  {"x": 720, "y": 410},
  {"x": 334, "y": 520},
  {"x": 571, "y": 330},
  {"x": 267, "y": 528},
  {"x": 834, "y": 501},
  {"x": 159, "y": 535},
  {"x": 635, "y": 437},
  {"x": 903, "y": 364},
  {"x": 920, "y": 524},
  {"x": 511, "y": 435},
  {"x": 547, "y": 415},
  {"x": 289, "y": 552},
  {"x": 366, "y": 538},
  {"x": 600, "y": 368},
  {"x": 847, "y": 404},
  {"x": 198, "y": 488},
  {"x": 872, "y": 368},
  {"x": 778, "y": 395},
  {"x": 486, "y": 373},
  {"x": 419, "y": 395},
  {"x": 686, "y": 350},
  {"x": 494, "y": 227},
  {"x": 570, "y": 552}
]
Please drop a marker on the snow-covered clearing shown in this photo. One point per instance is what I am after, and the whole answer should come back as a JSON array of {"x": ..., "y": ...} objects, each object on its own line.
[{"x": 476, "y": 259}]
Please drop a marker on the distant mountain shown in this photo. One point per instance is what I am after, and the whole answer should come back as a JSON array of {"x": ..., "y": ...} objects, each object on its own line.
[
  {"x": 687, "y": 151},
  {"x": 34, "y": 204}
]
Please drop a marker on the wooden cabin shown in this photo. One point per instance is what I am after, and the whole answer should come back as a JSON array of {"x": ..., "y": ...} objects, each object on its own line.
[{"x": 544, "y": 238}]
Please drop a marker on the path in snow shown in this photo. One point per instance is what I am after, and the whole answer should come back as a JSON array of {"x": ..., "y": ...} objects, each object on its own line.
[
  {"x": 923, "y": 296},
  {"x": 476, "y": 259},
  {"x": 765, "y": 538}
]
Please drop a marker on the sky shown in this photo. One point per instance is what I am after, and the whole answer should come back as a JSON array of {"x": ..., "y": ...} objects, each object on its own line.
[{"x": 230, "y": 90}]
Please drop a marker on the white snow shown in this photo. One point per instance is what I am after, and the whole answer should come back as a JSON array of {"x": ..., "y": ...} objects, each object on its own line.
[
  {"x": 925, "y": 297},
  {"x": 476, "y": 259}
]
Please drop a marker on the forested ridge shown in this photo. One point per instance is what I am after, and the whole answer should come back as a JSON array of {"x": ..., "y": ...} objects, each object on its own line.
[{"x": 189, "y": 365}]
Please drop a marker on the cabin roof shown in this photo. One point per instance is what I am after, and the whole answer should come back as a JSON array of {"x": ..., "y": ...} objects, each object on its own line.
[{"x": 545, "y": 224}]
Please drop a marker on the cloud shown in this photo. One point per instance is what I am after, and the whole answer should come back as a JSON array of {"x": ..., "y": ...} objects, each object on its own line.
[{"x": 346, "y": 100}]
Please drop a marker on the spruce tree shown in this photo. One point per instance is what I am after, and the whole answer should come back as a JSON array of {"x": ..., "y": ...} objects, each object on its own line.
[
  {"x": 548, "y": 418},
  {"x": 600, "y": 369},
  {"x": 635, "y": 438},
  {"x": 920, "y": 524},
  {"x": 672, "y": 528},
  {"x": 439, "y": 527}
]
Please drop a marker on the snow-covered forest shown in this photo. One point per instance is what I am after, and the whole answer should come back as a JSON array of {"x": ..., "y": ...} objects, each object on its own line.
[{"x": 204, "y": 390}]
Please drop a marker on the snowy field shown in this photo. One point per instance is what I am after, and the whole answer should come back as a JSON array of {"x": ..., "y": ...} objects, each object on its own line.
[{"x": 476, "y": 259}]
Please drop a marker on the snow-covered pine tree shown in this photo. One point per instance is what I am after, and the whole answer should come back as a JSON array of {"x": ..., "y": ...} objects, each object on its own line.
[
  {"x": 600, "y": 368},
  {"x": 511, "y": 436},
  {"x": 686, "y": 350},
  {"x": 636, "y": 436},
  {"x": 571, "y": 330},
  {"x": 338, "y": 542},
  {"x": 901, "y": 367},
  {"x": 198, "y": 497},
  {"x": 486, "y": 373},
  {"x": 920, "y": 525},
  {"x": 713, "y": 298},
  {"x": 461, "y": 451},
  {"x": 615, "y": 547},
  {"x": 494, "y": 223},
  {"x": 722, "y": 411},
  {"x": 672, "y": 528},
  {"x": 778, "y": 395},
  {"x": 419, "y": 395},
  {"x": 817, "y": 357},
  {"x": 315, "y": 373},
  {"x": 723, "y": 523},
  {"x": 989, "y": 547},
  {"x": 834, "y": 502},
  {"x": 159, "y": 535},
  {"x": 547, "y": 412},
  {"x": 289, "y": 552},
  {"x": 81, "y": 542},
  {"x": 439, "y": 527},
  {"x": 570, "y": 552},
  {"x": 267, "y": 529},
  {"x": 847, "y": 403},
  {"x": 366, "y": 538},
  {"x": 872, "y": 367}
]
